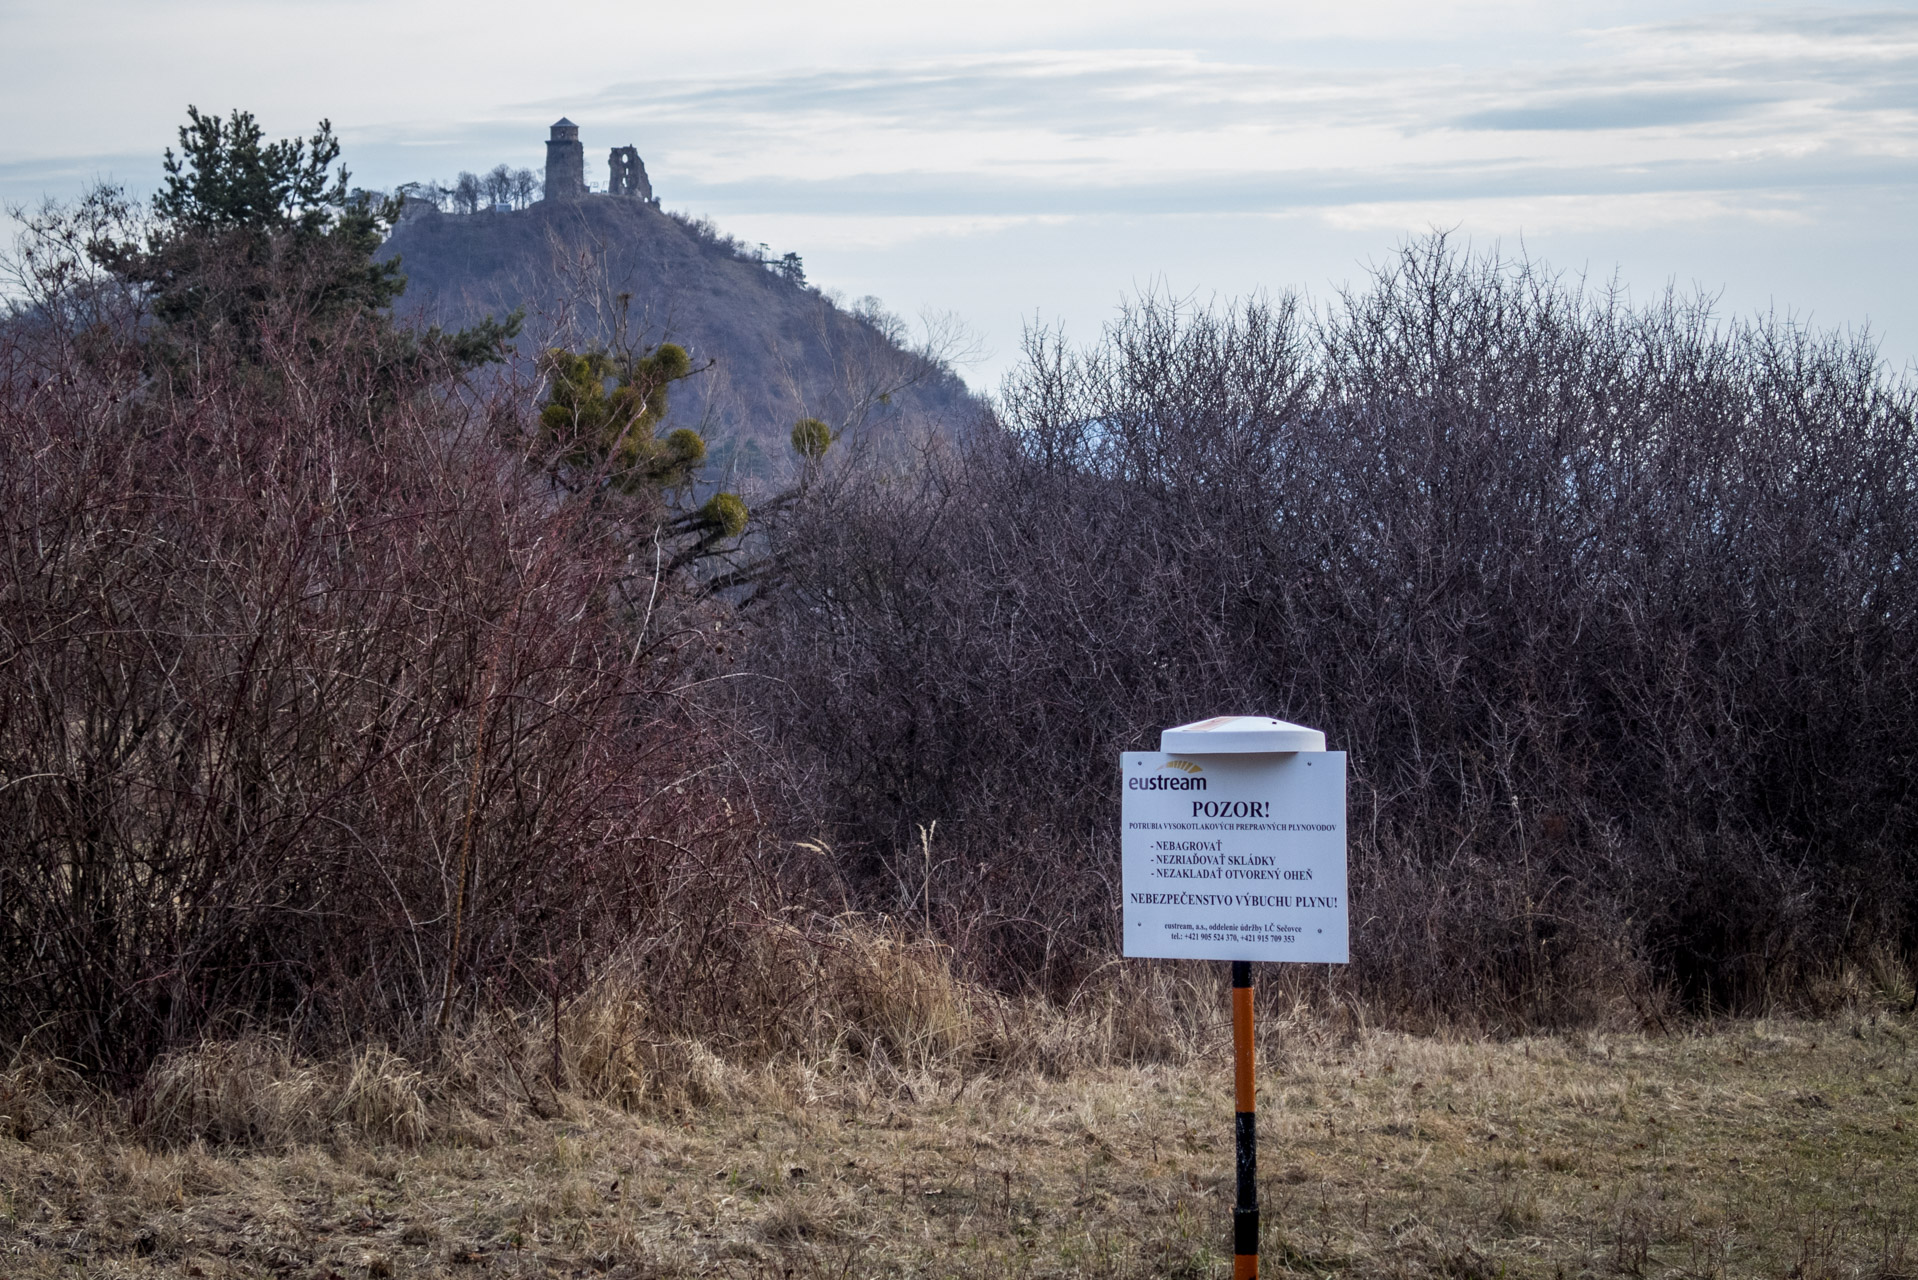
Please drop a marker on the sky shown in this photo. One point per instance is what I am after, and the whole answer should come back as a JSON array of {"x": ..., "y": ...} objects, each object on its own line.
[{"x": 1021, "y": 164}]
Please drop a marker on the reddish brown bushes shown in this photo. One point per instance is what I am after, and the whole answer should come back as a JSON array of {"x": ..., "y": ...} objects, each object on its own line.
[
  {"x": 1614, "y": 609},
  {"x": 320, "y": 715},
  {"x": 316, "y": 711}
]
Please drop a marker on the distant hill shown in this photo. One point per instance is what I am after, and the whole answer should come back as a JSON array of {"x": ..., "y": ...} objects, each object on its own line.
[{"x": 613, "y": 269}]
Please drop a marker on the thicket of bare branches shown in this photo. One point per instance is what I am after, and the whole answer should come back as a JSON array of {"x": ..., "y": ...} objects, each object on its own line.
[
  {"x": 323, "y": 714},
  {"x": 1613, "y": 607},
  {"x": 318, "y": 712}
]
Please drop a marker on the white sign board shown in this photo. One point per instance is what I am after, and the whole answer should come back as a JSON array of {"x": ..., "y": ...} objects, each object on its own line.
[{"x": 1235, "y": 856}]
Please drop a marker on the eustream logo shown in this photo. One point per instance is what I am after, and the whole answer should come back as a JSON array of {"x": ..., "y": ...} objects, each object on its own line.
[{"x": 1193, "y": 779}]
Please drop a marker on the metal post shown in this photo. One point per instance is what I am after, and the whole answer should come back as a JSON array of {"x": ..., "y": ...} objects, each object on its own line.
[{"x": 1245, "y": 1214}]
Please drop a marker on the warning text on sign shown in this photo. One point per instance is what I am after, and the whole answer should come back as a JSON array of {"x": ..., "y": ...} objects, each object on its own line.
[{"x": 1235, "y": 857}]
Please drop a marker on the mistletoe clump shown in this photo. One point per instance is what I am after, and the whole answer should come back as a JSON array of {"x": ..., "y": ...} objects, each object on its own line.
[{"x": 603, "y": 412}]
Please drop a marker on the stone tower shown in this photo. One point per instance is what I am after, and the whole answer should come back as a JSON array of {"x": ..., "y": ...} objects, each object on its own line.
[
  {"x": 565, "y": 163},
  {"x": 628, "y": 174}
]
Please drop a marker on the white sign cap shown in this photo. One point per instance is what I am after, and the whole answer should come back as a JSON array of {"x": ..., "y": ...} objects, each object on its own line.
[{"x": 1236, "y": 734}]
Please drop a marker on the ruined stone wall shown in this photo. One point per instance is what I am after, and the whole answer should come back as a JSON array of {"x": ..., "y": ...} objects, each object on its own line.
[{"x": 627, "y": 174}]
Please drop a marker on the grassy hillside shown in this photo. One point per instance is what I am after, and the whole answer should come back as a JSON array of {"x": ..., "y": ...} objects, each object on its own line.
[{"x": 614, "y": 270}]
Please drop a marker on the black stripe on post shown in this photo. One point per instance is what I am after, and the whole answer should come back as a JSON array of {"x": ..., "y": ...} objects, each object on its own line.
[
  {"x": 1245, "y": 1232},
  {"x": 1247, "y": 1132},
  {"x": 1245, "y": 1215}
]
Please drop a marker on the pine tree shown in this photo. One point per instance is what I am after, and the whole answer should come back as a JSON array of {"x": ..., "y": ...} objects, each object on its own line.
[{"x": 251, "y": 233}]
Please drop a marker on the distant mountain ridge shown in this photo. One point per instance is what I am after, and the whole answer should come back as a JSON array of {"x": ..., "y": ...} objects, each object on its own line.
[{"x": 605, "y": 269}]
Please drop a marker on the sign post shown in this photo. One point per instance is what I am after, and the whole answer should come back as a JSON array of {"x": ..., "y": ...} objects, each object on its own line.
[{"x": 1233, "y": 843}]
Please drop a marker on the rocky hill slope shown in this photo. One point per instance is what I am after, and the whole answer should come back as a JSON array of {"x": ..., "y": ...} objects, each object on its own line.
[{"x": 619, "y": 271}]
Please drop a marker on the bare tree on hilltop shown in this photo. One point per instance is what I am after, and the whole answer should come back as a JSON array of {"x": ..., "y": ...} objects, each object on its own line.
[{"x": 468, "y": 191}]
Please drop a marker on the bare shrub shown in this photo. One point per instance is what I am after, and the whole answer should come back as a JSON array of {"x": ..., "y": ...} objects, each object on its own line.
[
  {"x": 318, "y": 714},
  {"x": 1611, "y": 606}
]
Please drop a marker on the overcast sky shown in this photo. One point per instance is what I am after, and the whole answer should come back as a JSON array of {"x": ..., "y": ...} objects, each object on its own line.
[{"x": 1013, "y": 161}]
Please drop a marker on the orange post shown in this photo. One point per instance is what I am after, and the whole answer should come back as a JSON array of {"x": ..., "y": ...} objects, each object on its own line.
[{"x": 1245, "y": 1214}]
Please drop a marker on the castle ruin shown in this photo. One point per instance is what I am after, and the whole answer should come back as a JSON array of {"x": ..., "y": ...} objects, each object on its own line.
[
  {"x": 566, "y": 168},
  {"x": 628, "y": 174},
  {"x": 565, "y": 163}
]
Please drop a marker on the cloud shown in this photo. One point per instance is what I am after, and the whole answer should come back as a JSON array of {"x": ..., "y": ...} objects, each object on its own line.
[
  {"x": 1557, "y": 215},
  {"x": 1768, "y": 107},
  {"x": 1647, "y": 110},
  {"x": 1765, "y": 109},
  {"x": 1103, "y": 94},
  {"x": 1682, "y": 106},
  {"x": 1756, "y": 180}
]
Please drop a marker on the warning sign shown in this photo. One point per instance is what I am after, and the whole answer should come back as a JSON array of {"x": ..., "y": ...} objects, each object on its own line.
[{"x": 1235, "y": 856}]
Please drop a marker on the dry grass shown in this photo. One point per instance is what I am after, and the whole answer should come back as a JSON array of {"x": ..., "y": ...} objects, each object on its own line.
[{"x": 905, "y": 1149}]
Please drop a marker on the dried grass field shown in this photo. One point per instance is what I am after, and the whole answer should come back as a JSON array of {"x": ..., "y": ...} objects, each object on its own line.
[{"x": 1766, "y": 1148}]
